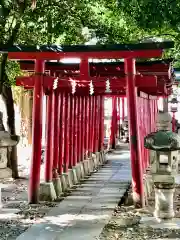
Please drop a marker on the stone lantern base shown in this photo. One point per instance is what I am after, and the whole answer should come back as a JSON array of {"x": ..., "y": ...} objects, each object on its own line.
[
  {"x": 5, "y": 172},
  {"x": 164, "y": 193}
]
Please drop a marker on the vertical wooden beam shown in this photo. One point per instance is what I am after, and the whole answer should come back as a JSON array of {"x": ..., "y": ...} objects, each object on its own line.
[
  {"x": 56, "y": 133},
  {"x": 71, "y": 133},
  {"x": 86, "y": 146},
  {"x": 83, "y": 129},
  {"x": 136, "y": 165},
  {"x": 36, "y": 133},
  {"x": 101, "y": 137},
  {"x": 61, "y": 134},
  {"x": 66, "y": 133},
  {"x": 75, "y": 138},
  {"x": 49, "y": 137}
]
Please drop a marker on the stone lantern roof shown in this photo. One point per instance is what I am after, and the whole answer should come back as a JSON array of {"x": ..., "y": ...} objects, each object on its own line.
[{"x": 162, "y": 140}]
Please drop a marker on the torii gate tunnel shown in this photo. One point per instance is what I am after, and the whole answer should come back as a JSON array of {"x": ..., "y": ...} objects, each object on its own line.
[{"x": 75, "y": 121}]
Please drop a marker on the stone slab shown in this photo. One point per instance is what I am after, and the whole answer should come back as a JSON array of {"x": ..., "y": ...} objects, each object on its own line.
[
  {"x": 82, "y": 216},
  {"x": 156, "y": 223}
]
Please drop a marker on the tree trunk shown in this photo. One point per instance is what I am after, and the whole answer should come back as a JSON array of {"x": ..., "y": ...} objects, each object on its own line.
[{"x": 9, "y": 102}]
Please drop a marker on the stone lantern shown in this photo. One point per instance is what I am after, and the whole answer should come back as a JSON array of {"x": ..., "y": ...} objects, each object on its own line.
[
  {"x": 6, "y": 141},
  {"x": 173, "y": 109},
  {"x": 164, "y": 168}
]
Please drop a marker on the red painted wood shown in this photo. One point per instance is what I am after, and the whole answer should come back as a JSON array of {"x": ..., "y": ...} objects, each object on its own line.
[
  {"x": 113, "y": 123},
  {"x": 136, "y": 165},
  {"x": 56, "y": 133},
  {"x": 101, "y": 137},
  {"x": 84, "y": 69},
  {"x": 83, "y": 129},
  {"x": 90, "y": 123},
  {"x": 49, "y": 137},
  {"x": 75, "y": 138},
  {"x": 79, "y": 129},
  {"x": 86, "y": 143},
  {"x": 98, "y": 82},
  {"x": 123, "y": 110},
  {"x": 96, "y": 55},
  {"x": 96, "y": 125},
  {"x": 93, "y": 123},
  {"x": 71, "y": 133},
  {"x": 66, "y": 132},
  {"x": 62, "y": 133},
  {"x": 34, "y": 180}
]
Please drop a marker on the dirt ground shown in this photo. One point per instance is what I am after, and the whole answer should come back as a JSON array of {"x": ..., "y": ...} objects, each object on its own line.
[{"x": 124, "y": 223}]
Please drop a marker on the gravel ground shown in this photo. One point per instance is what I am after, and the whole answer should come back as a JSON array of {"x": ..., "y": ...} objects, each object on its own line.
[
  {"x": 124, "y": 223},
  {"x": 16, "y": 214}
]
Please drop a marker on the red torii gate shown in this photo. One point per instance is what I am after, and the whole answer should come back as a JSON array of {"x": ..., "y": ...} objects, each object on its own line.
[
  {"x": 128, "y": 52},
  {"x": 114, "y": 72}
]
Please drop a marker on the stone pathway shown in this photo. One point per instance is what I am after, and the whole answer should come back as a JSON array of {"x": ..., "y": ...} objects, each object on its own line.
[{"x": 84, "y": 213}]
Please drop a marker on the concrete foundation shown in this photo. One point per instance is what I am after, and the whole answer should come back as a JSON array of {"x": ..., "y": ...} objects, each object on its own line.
[
  {"x": 71, "y": 176},
  {"x": 57, "y": 186},
  {"x": 86, "y": 167},
  {"x": 74, "y": 174},
  {"x": 161, "y": 224},
  {"x": 82, "y": 173},
  {"x": 90, "y": 165},
  {"x": 47, "y": 192},
  {"x": 78, "y": 172},
  {"x": 96, "y": 162},
  {"x": 164, "y": 203},
  {"x": 102, "y": 158},
  {"x": 68, "y": 179},
  {"x": 63, "y": 182}
]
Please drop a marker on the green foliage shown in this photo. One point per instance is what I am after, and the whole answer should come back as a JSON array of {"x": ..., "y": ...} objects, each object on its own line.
[
  {"x": 78, "y": 21},
  {"x": 12, "y": 70}
]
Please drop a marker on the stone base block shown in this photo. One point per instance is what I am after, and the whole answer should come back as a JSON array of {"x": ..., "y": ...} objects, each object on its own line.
[
  {"x": 71, "y": 176},
  {"x": 63, "y": 182},
  {"x": 78, "y": 172},
  {"x": 161, "y": 224},
  {"x": 95, "y": 159},
  {"x": 86, "y": 167},
  {"x": 74, "y": 173},
  {"x": 91, "y": 165},
  {"x": 57, "y": 186},
  {"x": 164, "y": 203},
  {"x": 82, "y": 170},
  {"x": 68, "y": 179},
  {"x": 47, "y": 192},
  {"x": 5, "y": 173}
]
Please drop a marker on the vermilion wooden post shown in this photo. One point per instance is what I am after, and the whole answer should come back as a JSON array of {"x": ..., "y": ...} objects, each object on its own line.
[
  {"x": 56, "y": 133},
  {"x": 93, "y": 123},
  {"x": 79, "y": 127},
  {"x": 86, "y": 146},
  {"x": 123, "y": 112},
  {"x": 90, "y": 125},
  {"x": 83, "y": 129},
  {"x": 61, "y": 139},
  {"x": 34, "y": 180},
  {"x": 49, "y": 137},
  {"x": 136, "y": 165},
  {"x": 98, "y": 124},
  {"x": 113, "y": 123},
  {"x": 71, "y": 132},
  {"x": 75, "y": 143},
  {"x": 66, "y": 133},
  {"x": 101, "y": 136},
  {"x": 118, "y": 129}
]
